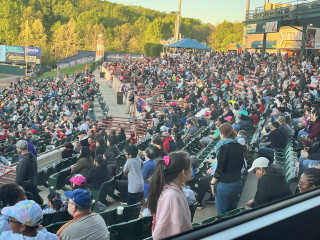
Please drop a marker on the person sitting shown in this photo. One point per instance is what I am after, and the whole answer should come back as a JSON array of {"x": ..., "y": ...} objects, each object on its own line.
[
  {"x": 54, "y": 203},
  {"x": 10, "y": 194},
  {"x": 24, "y": 218},
  {"x": 271, "y": 184},
  {"x": 68, "y": 151},
  {"x": 85, "y": 224},
  {"x": 78, "y": 182},
  {"x": 84, "y": 164},
  {"x": 310, "y": 179},
  {"x": 245, "y": 122},
  {"x": 216, "y": 136},
  {"x": 277, "y": 140},
  {"x": 98, "y": 174}
]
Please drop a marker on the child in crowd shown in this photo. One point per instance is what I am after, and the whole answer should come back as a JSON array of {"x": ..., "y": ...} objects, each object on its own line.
[{"x": 54, "y": 203}]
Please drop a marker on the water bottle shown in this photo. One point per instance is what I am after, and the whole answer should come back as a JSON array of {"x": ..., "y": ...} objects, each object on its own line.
[{"x": 310, "y": 165}]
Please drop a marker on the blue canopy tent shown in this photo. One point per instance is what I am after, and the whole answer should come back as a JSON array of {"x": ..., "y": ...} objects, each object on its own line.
[{"x": 188, "y": 43}]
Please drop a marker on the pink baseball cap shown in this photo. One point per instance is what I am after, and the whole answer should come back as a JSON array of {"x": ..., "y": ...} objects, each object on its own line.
[
  {"x": 228, "y": 118},
  {"x": 78, "y": 180}
]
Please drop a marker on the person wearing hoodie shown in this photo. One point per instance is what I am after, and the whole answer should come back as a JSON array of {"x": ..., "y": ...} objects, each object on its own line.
[
  {"x": 272, "y": 185},
  {"x": 245, "y": 122},
  {"x": 26, "y": 170},
  {"x": 169, "y": 145}
]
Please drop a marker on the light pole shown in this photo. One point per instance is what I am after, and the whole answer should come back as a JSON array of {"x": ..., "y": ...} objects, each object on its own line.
[
  {"x": 178, "y": 23},
  {"x": 26, "y": 46}
]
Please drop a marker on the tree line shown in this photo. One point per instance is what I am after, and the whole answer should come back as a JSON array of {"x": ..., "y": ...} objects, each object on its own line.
[{"x": 61, "y": 27}]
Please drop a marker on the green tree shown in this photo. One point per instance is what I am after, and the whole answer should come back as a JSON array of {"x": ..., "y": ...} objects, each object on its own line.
[
  {"x": 65, "y": 42},
  {"x": 153, "y": 33}
]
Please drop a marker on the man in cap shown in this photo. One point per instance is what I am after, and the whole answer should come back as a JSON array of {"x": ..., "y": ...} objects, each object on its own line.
[
  {"x": 25, "y": 218},
  {"x": 271, "y": 183},
  {"x": 26, "y": 170},
  {"x": 85, "y": 224}
]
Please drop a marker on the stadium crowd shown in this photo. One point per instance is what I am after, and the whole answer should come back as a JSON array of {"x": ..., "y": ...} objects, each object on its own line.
[{"x": 228, "y": 93}]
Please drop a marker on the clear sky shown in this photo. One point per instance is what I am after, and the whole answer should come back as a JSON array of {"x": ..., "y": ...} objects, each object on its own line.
[{"x": 209, "y": 11}]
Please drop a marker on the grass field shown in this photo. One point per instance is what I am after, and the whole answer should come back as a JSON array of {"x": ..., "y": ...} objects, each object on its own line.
[
  {"x": 69, "y": 70},
  {"x": 3, "y": 76}
]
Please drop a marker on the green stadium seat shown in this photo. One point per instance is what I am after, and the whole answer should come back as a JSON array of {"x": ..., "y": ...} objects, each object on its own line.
[
  {"x": 131, "y": 212},
  {"x": 15, "y": 158},
  {"x": 133, "y": 230},
  {"x": 51, "y": 218},
  {"x": 193, "y": 209},
  {"x": 110, "y": 217},
  {"x": 53, "y": 228},
  {"x": 210, "y": 220},
  {"x": 107, "y": 188},
  {"x": 57, "y": 181}
]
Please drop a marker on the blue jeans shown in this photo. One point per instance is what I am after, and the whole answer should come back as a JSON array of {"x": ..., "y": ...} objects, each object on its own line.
[
  {"x": 134, "y": 198},
  {"x": 304, "y": 164},
  {"x": 266, "y": 152},
  {"x": 227, "y": 196}
]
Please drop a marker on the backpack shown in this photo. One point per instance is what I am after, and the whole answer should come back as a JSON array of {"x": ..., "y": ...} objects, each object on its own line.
[{"x": 172, "y": 146}]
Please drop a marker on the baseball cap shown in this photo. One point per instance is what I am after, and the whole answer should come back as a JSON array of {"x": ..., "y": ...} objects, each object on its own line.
[
  {"x": 282, "y": 119},
  {"x": 81, "y": 197},
  {"x": 236, "y": 127},
  {"x": 78, "y": 180},
  {"x": 83, "y": 132},
  {"x": 244, "y": 112},
  {"x": 163, "y": 129},
  {"x": 261, "y": 162},
  {"x": 33, "y": 131},
  {"x": 165, "y": 110},
  {"x": 228, "y": 118},
  {"x": 27, "y": 212},
  {"x": 149, "y": 131},
  {"x": 22, "y": 144}
]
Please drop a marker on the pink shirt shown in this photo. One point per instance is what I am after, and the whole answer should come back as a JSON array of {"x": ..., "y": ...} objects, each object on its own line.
[{"x": 173, "y": 214}]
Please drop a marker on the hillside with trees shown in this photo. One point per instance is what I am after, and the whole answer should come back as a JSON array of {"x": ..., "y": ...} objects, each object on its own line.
[{"x": 61, "y": 27}]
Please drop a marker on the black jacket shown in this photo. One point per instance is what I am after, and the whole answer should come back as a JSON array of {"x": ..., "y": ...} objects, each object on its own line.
[
  {"x": 230, "y": 162},
  {"x": 26, "y": 169},
  {"x": 114, "y": 149},
  {"x": 97, "y": 176},
  {"x": 278, "y": 139},
  {"x": 271, "y": 187}
]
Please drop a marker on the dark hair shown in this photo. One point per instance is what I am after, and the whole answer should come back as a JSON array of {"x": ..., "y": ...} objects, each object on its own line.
[
  {"x": 112, "y": 133},
  {"x": 9, "y": 194},
  {"x": 165, "y": 174},
  {"x": 150, "y": 153},
  {"x": 132, "y": 150},
  {"x": 227, "y": 130},
  {"x": 313, "y": 176},
  {"x": 55, "y": 199},
  {"x": 101, "y": 141},
  {"x": 100, "y": 160},
  {"x": 113, "y": 140},
  {"x": 275, "y": 124},
  {"x": 32, "y": 188},
  {"x": 68, "y": 145},
  {"x": 85, "y": 152}
]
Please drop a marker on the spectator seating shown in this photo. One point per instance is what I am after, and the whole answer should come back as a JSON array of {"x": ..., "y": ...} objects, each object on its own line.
[
  {"x": 133, "y": 230},
  {"x": 52, "y": 218},
  {"x": 57, "y": 181}
]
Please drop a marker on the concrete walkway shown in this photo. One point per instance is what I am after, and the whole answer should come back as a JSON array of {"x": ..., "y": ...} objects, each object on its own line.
[{"x": 110, "y": 96}]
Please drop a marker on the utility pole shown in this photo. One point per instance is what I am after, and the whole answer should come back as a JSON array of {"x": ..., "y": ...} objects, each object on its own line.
[{"x": 178, "y": 23}]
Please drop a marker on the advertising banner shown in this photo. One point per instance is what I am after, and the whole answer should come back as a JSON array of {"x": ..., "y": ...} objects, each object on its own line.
[
  {"x": 271, "y": 27},
  {"x": 18, "y": 58},
  {"x": 290, "y": 38},
  {"x": 251, "y": 28},
  {"x": 313, "y": 38},
  {"x": 2, "y": 53}
]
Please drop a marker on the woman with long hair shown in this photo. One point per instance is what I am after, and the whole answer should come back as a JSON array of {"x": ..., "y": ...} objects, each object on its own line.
[
  {"x": 84, "y": 164},
  {"x": 226, "y": 183},
  {"x": 166, "y": 199},
  {"x": 98, "y": 174}
]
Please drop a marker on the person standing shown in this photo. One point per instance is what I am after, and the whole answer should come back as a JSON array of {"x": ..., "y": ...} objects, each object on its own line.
[
  {"x": 133, "y": 170},
  {"x": 167, "y": 201},
  {"x": 131, "y": 106},
  {"x": 85, "y": 224},
  {"x": 226, "y": 184},
  {"x": 26, "y": 170}
]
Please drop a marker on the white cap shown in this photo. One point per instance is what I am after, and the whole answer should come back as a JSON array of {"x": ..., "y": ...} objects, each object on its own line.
[
  {"x": 260, "y": 162},
  {"x": 163, "y": 129}
]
